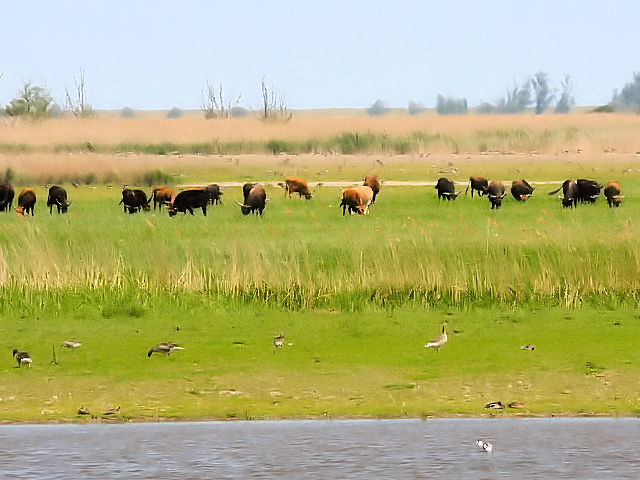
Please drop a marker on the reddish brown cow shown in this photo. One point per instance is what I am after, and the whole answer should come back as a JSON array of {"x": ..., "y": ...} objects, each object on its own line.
[
  {"x": 162, "y": 194},
  {"x": 373, "y": 182},
  {"x": 521, "y": 190},
  {"x": 297, "y": 185},
  {"x": 612, "y": 192},
  {"x": 26, "y": 202},
  {"x": 356, "y": 199}
]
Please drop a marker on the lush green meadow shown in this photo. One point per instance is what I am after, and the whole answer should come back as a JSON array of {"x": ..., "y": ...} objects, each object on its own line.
[{"x": 356, "y": 296}]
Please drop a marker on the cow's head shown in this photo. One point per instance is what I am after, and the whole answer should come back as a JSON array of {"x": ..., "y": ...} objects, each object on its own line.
[
  {"x": 245, "y": 209},
  {"x": 496, "y": 199},
  {"x": 616, "y": 200},
  {"x": 63, "y": 206},
  {"x": 21, "y": 211}
]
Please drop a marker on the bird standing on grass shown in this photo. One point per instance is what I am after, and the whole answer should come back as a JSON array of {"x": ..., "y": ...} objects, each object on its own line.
[
  {"x": 440, "y": 340},
  {"x": 23, "y": 358},
  {"x": 70, "y": 344},
  {"x": 112, "y": 411},
  {"x": 278, "y": 342},
  {"x": 165, "y": 347}
]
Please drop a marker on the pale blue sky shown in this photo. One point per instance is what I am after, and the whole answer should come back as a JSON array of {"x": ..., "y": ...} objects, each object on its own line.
[{"x": 159, "y": 54}]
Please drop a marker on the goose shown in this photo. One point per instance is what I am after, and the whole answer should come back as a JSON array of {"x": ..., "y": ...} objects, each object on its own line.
[
  {"x": 487, "y": 447},
  {"x": 83, "y": 411},
  {"x": 165, "y": 347},
  {"x": 440, "y": 340},
  {"x": 528, "y": 346},
  {"x": 70, "y": 344},
  {"x": 112, "y": 411},
  {"x": 516, "y": 405},
  {"x": 23, "y": 358},
  {"x": 278, "y": 342},
  {"x": 495, "y": 405}
]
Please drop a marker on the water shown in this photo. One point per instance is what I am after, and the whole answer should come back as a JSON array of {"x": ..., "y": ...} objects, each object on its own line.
[{"x": 444, "y": 448}]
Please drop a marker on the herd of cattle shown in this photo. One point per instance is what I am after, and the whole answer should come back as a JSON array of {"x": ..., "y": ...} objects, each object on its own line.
[{"x": 354, "y": 200}]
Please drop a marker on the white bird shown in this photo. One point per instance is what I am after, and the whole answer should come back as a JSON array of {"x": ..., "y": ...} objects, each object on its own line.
[
  {"x": 439, "y": 340},
  {"x": 70, "y": 344},
  {"x": 278, "y": 342},
  {"x": 487, "y": 447}
]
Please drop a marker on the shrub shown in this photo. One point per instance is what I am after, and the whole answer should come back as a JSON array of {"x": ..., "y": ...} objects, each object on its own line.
[
  {"x": 127, "y": 112},
  {"x": 378, "y": 108},
  {"x": 415, "y": 108},
  {"x": 175, "y": 112},
  {"x": 451, "y": 106}
]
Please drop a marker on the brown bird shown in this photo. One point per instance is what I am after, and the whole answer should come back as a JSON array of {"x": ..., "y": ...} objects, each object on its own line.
[
  {"x": 165, "y": 347},
  {"x": 112, "y": 411},
  {"x": 278, "y": 342},
  {"x": 494, "y": 405},
  {"x": 83, "y": 411},
  {"x": 70, "y": 344},
  {"x": 440, "y": 340},
  {"x": 516, "y": 405}
]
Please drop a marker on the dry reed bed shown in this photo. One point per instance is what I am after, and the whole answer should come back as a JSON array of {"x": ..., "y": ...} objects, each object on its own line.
[{"x": 442, "y": 134}]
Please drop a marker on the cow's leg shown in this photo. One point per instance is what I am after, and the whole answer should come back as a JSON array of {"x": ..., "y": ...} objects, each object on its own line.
[
  {"x": 204, "y": 210},
  {"x": 190, "y": 210}
]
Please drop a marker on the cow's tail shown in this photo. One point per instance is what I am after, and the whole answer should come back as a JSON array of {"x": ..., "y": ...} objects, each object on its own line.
[
  {"x": 555, "y": 191},
  {"x": 467, "y": 189}
]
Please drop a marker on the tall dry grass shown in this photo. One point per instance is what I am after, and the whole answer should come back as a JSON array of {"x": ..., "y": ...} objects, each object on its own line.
[{"x": 472, "y": 133}]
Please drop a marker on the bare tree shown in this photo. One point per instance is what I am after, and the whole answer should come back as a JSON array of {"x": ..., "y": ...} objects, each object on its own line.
[
  {"x": 274, "y": 104},
  {"x": 543, "y": 93},
  {"x": 77, "y": 103},
  {"x": 566, "y": 100},
  {"x": 213, "y": 104}
]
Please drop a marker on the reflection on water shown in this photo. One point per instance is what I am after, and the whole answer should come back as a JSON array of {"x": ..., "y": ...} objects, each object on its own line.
[{"x": 444, "y": 448}]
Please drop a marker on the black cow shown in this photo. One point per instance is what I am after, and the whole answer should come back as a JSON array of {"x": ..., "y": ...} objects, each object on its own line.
[
  {"x": 521, "y": 190},
  {"x": 134, "y": 200},
  {"x": 479, "y": 184},
  {"x": 446, "y": 189},
  {"x": 495, "y": 192},
  {"x": 246, "y": 188},
  {"x": 255, "y": 199},
  {"x": 58, "y": 197},
  {"x": 6, "y": 197},
  {"x": 187, "y": 200},
  {"x": 214, "y": 193},
  {"x": 588, "y": 190}
]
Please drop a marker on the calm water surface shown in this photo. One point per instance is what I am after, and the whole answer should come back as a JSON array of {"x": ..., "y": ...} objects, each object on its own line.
[{"x": 443, "y": 448}]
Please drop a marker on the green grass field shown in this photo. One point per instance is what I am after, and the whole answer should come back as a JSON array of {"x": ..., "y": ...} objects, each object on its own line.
[{"x": 357, "y": 296}]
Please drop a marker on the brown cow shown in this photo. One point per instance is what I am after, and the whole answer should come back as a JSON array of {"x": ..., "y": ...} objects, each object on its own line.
[
  {"x": 162, "y": 194},
  {"x": 373, "y": 182},
  {"x": 26, "y": 202},
  {"x": 521, "y": 190},
  {"x": 479, "y": 184},
  {"x": 6, "y": 196},
  {"x": 357, "y": 200},
  {"x": 255, "y": 200},
  {"x": 297, "y": 185},
  {"x": 612, "y": 192}
]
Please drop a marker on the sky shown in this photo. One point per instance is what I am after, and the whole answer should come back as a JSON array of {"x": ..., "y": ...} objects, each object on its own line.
[{"x": 317, "y": 54}]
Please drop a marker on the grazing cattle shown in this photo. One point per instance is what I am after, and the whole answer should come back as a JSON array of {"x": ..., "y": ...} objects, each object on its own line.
[
  {"x": 495, "y": 192},
  {"x": 479, "y": 184},
  {"x": 588, "y": 190},
  {"x": 255, "y": 199},
  {"x": 187, "y": 200},
  {"x": 446, "y": 189},
  {"x": 612, "y": 192},
  {"x": 6, "y": 197},
  {"x": 521, "y": 190},
  {"x": 214, "y": 193},
  {"x": 26, "y": 202},
  {"x": 58, "y": 197},
  {"x": 162, "y": 194},
  {"x": 297, "y": 185},
  {"x": 134, "y": 200},
  {"x": 373, "y": 182},
  {"x": 356, "y": 199}
]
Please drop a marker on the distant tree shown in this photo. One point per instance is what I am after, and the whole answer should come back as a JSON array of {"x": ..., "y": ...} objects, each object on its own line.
[
  {"x": 127, "y": 112},
  {"x": 213, "y": 104},
  {"x": 628, "y": 99},
  {"x": 377, "y": 108},
  {"x": 415, "y": 108},
  {"x": 77, "y": 102},
  {"x": 543, "y": 93},
  {"x": 175, "y": 112},
  {"x": 239, "y": 112},
  {"x": 56, "y": 110},
  {"x": 451, "y": 106},
  {"x": 274, "y": 103},
  {"x": 566, "y": 100},
  {"x": 516, "y": 100},
  {"x": 485, "y": 108},
  {"x": 31, "y": 101}
]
